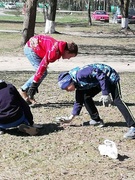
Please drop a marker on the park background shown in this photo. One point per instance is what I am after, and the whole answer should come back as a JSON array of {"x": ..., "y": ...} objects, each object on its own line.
[{"x": 70, "y": 152}]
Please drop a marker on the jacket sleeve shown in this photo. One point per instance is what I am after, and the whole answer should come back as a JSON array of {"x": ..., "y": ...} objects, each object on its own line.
[
  {"x": 51, "y": 56},
  {"x": 27, "y": 111},
  {"x": 78, "y": 104}
]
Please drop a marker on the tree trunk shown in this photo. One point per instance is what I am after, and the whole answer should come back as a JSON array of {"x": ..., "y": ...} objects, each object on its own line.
[
  {"x": 29, "y": 20},
  {"x": 89, "y": 14},
  {"x": 108, "y": 6},
  {"x": 124, "y": 23},
  {"x": 50, "y": 22},
  {"x": 124, "y": 13}
]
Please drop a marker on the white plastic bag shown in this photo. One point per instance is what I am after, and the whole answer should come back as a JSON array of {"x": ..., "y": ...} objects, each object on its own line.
[{"x": 108, "y": 149}]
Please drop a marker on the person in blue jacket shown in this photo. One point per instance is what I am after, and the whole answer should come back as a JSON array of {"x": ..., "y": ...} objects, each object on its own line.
[
  {"x": 14, "y": 110},
  {"x": 87, "y": 82}
]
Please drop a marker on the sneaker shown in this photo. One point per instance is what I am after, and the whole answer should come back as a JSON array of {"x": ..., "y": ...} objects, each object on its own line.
[
  {"x": 94, "y": 123},
  {"x": 2, "y": 131},
  {"x": 28, "y": 129},
  {"x": 130, "y": 134}
]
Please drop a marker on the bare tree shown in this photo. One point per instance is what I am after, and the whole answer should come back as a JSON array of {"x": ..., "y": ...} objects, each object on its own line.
[
  {"x": 50, "y": 21},
  {"x": 89, "y": 14},
  {"x": 29, "y": 20}
]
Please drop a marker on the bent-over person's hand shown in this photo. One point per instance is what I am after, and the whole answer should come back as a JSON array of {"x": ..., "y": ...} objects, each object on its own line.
[{"x": 64, "y": 119}]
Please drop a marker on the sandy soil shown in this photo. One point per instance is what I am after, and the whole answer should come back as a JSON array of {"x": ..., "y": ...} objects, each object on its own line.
[{"x": 20, "y": 63}]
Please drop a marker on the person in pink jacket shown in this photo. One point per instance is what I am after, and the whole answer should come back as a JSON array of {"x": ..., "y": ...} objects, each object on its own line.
[{"x": 40, "y": 51}]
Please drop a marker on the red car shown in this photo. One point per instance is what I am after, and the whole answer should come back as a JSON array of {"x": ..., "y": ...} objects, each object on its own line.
[{"x": 100, "y": 15}]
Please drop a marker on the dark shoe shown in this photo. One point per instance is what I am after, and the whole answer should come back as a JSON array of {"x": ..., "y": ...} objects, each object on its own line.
[{"x": 32, "y": 131}]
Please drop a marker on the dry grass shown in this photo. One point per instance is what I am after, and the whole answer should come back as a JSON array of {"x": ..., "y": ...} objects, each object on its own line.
[
  {"x": 100, "y": 34},
  {"x": 70, "y": 153}
]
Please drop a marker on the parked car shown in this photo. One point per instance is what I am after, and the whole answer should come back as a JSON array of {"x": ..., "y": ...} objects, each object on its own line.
[
  {"x": 131, "y": 16},
  {"x": 10, "y": 6},
  {"x": 100, "y": 15}
]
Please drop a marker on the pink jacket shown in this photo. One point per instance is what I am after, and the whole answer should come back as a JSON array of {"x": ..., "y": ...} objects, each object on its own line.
[{"x": 48, "y": 49}]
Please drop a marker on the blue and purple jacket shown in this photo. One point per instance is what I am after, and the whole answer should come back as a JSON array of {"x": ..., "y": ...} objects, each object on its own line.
[{"x": 91, "y": 76}]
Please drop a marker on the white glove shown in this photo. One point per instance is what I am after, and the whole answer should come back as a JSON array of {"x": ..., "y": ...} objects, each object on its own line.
[
  {"x": 106, "y": 100},
  {"x": 64, "y": 119}
]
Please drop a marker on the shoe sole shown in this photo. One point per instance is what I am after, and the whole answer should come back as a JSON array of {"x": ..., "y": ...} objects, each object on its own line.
[{"x": 28, "y": 129}]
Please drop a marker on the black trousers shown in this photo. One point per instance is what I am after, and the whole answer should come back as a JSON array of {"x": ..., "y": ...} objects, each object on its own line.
[{"x": 86, "y": 97}]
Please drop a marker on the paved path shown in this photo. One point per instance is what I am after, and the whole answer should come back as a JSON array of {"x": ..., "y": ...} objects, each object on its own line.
[{"x": 20, "y": 63}]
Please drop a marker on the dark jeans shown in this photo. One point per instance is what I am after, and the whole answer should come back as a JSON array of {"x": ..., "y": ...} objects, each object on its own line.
[
  {"x": 86, "y": 97},
  {"x": 121, "y": 105}
]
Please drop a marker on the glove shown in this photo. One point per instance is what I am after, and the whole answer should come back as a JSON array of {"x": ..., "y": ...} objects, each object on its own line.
[
  {"x": 32, "y": 90},
  {"x": 64, "y": 119},
  {"x": 106, "y": 100}
]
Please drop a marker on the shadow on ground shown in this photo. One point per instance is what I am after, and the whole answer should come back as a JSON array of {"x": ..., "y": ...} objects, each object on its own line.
[
  {"x": 69, "y": 104},
  {"x": 45, "y": 130}
]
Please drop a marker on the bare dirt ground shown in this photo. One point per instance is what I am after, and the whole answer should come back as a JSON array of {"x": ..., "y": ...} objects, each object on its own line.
[
  {"x": 70, "y": 152},
  {"x": 121, "y": 64}
]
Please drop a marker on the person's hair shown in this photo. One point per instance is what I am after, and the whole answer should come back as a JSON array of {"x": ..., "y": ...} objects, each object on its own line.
[{"x": 72, "y": 48}]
